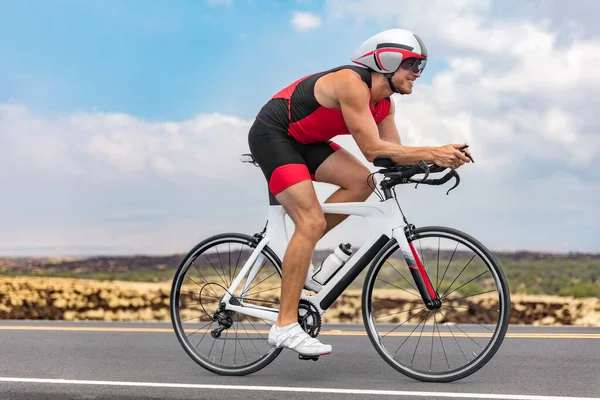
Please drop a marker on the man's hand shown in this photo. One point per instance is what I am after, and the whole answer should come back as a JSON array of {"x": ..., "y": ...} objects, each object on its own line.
[{"x": 450, "y": 157}]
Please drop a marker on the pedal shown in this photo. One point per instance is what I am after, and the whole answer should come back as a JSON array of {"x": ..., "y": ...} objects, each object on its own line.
[{"x": 303, "y": 357}]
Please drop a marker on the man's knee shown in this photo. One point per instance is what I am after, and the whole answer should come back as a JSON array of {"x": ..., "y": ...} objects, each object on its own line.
[
  {"x": 363, "y": 186},
  {"x": 312, "y": 224}
]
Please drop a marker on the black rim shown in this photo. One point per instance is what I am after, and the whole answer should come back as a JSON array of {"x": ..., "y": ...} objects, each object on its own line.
[
  {"x": 461, "y": 336},
  {"x": 223, "y": 342}
]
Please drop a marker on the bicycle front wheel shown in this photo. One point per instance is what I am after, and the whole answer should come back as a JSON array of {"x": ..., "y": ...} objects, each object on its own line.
[
  {"x": 219, "y": 340},
  {"x": 445, "y": 344}
]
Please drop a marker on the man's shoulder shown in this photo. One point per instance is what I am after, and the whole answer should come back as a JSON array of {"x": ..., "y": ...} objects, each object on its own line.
[{"x": 351, "y": 76}]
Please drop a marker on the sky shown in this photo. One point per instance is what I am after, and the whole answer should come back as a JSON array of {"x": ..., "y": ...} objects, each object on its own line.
[{"x": 121, "y": 123}]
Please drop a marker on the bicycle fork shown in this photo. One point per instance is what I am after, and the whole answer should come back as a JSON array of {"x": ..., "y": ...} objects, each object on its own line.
[{"x": 430, "y": 297}]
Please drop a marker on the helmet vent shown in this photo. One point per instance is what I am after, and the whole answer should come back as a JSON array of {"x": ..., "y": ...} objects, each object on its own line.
[{"x": 395, "y": 46}]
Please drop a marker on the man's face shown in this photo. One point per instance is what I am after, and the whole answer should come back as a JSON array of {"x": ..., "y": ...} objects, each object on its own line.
[{"x": 405, "y": 76}]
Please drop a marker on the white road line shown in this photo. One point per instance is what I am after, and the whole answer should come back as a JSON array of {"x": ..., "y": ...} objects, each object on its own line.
[{"x": 292, "y": 389}]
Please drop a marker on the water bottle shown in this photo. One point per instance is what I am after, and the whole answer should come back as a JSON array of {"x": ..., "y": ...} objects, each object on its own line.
[{"x": 333, "y": 263}]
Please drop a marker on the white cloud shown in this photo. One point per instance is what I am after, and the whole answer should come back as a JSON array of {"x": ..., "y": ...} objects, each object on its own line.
[
  {"x": 510, "y": 80},
  {"x": 114, "y": 183},
  {"x": 113, "y": 145},
  {"x": 520, "y": 91},
  {"x": 304, "y": 21}
]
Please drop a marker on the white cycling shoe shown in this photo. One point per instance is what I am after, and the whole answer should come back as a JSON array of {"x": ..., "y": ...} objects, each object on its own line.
[{"x": 293, "y": 337}]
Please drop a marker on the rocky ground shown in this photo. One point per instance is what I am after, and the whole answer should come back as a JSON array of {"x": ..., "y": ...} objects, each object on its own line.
[{"x": 79, "y": 299}]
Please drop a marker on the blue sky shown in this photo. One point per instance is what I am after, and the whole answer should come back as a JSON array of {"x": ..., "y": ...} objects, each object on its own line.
[
  {"x": 161, "y": 60},
  {"x": 122, "y": 122}
]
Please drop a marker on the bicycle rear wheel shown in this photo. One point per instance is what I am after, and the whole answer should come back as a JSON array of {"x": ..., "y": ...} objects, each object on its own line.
[
  {"x": 445, "y": 344},
  {"x": 222, "y": 341}
]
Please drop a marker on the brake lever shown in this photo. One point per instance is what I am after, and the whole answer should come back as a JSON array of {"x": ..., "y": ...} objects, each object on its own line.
[{"x": 462, "y": 150}]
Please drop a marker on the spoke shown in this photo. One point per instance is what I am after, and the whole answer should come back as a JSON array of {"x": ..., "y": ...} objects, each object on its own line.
[
  {"x": 472, "y": 295},
  {"x": 241, "y": 345},
  {"x": 193, "y": 281},
  {"x": 474, "y": 308},
  {"x": 188, "y": 292},
  {"x": 202, "y": 338},
  {"x": 211, "y": 347},
  {"x": 224, "y": 343},
  {"x": 257, "y": 331},
  {"x": 470, "y": 320},
  {"x": 456, "y": 340},
  {"x": 403, "y": 323},
  {"x": 237, "y": 264},
  {"x": 415, "y": 328},
  {"x": 397, "y": 287},
  {"x": 201, "y": 276},
  {"x": 198, "y": 330},
  {"x": 211, "y": 264},
  {"x": 407, "y": 281},
  {"x": 399, "y": 300},
  {"x": 418, "y": 340},
  {"x": 466, "y": 283},
  {"x": 399, "y": 312},
  {"x": 432, "y": 342},
  {"x": 229, "y": 256},
  {"x": 194, "y": 304},
  {"x": 474, "y": 323},
  {"x": 463, "y": 270},
  {"x": 437, "y": 273},
  {"x": 193, "y": 318},
  {"x": 252, "y": 341},
  {"x": 256, "y": 284},
  {"x": 235, "y": 346},
  {"x": 442, "y": 343},
  {"x": 448, "y": 266},
  {"x": 219, "y": 258},
  {"x": 262, "y": 291}
]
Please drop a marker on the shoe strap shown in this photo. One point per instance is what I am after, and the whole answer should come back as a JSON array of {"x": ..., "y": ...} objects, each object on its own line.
[{"x": 297, "y": 336}]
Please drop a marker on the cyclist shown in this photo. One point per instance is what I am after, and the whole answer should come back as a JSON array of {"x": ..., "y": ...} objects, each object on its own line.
[{"x": 290, "y": 139}]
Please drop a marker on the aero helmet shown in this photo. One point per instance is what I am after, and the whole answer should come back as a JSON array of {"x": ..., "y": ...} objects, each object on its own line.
[{"x": 385, "y": 51}]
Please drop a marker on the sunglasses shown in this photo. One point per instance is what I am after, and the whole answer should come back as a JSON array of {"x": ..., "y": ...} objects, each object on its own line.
[{"x": 414, "y": 64}]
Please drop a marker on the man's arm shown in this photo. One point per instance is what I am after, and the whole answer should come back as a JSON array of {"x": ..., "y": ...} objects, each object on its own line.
[
  {"x": 387, "y": 126},
  {"x": 353, "y": 96}
]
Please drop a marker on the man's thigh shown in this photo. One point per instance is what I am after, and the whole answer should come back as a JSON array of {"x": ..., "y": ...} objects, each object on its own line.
[{"x": 342, "y": 169}]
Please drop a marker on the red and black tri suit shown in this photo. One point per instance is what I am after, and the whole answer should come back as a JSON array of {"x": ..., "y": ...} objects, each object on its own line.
[{"x": 291, "y": 135}]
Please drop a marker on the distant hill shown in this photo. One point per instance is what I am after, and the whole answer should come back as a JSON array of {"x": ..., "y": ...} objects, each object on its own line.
[
  {"x": 35, "y": 265},
  {"x": 564, "y": 274}
]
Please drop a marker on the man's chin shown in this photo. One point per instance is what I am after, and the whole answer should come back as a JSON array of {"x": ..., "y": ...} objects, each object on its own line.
[{"x": 404, "y": 90}]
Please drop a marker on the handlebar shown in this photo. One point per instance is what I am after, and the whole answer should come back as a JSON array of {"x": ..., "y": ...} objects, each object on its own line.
[{"x": 401, "y": 174}]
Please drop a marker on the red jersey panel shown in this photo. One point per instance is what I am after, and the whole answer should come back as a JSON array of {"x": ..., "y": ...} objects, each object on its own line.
[{"x": 295, "y": 110}]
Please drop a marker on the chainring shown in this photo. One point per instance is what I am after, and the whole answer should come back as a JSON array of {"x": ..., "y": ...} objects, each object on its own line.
[{"x": 309, "y": 317}]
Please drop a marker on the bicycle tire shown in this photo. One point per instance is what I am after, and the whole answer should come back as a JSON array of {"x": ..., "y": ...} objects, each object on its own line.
[
  {"x": 497, "y": 336},
  {"x": 174, "y": 307}
]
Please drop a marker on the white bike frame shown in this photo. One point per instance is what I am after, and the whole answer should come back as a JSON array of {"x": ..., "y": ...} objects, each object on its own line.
[{"x": 385, "y": 222}]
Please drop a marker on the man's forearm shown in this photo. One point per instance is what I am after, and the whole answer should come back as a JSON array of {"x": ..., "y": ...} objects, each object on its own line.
[
  {"x": 390, "y": 137},
  {"x": 404, "y": 155}
]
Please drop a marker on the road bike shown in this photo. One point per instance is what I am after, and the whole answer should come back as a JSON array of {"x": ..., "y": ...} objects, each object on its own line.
[{"x": 434, "y": 301}]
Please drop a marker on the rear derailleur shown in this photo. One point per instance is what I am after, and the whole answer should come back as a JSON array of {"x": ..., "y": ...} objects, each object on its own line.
[{"x": 223, "y": 318}]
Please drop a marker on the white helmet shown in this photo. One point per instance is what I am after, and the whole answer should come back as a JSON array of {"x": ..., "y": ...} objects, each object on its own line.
[{"x": 385, "y": 51}]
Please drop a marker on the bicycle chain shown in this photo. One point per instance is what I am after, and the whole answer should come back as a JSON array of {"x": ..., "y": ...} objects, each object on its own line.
[
  {"x": 257, "y": 300},
  {"x": 249, "y": 299}
]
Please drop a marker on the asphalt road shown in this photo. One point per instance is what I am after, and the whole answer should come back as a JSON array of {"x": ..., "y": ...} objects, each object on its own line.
[{"x": 50, "y": 359}]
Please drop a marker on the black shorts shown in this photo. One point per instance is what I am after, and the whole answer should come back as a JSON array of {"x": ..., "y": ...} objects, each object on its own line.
[{"x": 283, "y": 160}]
